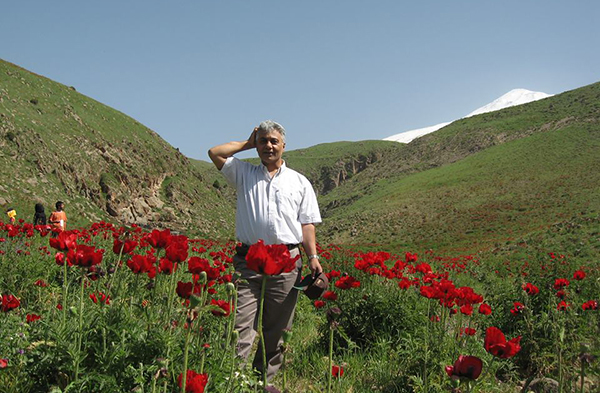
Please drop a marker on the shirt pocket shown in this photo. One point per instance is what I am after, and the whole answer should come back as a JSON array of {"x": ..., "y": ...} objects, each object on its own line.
[{"x": 289, "y": 202}]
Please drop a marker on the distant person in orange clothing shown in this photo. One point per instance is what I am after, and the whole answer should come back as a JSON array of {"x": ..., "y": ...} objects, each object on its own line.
[{"x": 58, "y": 218}]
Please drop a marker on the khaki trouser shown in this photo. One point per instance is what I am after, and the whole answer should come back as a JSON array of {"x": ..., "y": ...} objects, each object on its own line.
[{"x": 278, "y": 312}]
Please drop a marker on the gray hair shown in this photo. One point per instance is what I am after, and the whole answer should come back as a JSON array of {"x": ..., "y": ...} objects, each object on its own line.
[{"x": 270, "y": 126}]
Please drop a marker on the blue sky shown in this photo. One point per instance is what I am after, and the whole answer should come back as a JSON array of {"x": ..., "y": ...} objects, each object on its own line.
[{"x": 205, "y": 72}]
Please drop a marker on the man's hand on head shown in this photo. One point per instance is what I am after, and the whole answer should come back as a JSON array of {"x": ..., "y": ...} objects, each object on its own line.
[{"x": 251, "y": 144}]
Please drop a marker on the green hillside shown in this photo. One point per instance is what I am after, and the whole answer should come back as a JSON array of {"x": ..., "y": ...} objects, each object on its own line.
[
  {"x": 58, "y": 144},
  {"x": 479, "y": 181}
]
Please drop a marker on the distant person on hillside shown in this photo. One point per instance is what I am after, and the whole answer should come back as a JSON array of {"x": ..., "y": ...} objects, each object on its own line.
[
  {"x": 12, "y": 215},
  {"x": 277, "y": 205},
  {"x": 58, "y": 218},
  {"x": 39, "y": 218}
]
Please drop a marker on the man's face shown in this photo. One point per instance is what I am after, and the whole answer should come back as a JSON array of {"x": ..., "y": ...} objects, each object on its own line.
[{"x": 270, "y": 146}]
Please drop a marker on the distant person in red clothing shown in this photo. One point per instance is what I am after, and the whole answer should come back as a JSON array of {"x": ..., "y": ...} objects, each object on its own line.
[{"x": 58, "y": 218}]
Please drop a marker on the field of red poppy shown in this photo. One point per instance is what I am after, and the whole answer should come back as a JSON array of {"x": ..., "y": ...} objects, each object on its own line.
[{"x": 108, "y": 309}]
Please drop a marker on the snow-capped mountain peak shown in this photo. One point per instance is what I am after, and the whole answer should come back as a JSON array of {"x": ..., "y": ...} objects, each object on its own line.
[{"x": 512, "y": 98}]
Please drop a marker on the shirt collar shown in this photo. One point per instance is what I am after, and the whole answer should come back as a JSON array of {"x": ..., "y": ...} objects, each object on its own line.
[{"x": 282, "y": 168}]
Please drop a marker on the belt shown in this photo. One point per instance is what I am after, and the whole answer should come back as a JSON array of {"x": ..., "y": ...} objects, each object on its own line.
[{"x": 242, "y": 249}]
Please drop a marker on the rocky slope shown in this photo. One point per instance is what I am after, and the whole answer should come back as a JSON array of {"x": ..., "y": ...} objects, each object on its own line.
[{"x": 58, "y": 144}]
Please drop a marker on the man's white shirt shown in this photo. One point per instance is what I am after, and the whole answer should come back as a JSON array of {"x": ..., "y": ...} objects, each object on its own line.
[{"x": 271, "y": 209}]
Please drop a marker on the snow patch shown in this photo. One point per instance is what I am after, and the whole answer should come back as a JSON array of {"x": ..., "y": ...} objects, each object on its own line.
[{"x": 512, "y": 98}]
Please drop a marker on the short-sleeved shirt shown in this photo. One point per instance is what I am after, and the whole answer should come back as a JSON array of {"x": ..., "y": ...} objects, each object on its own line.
[
  {"x": 60, "y": 220},
  {"x": 271, "y": 209}
]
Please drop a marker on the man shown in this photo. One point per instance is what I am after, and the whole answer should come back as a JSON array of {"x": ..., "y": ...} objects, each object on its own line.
[
  {"x": 58, "y": 218},
  {"x": 279, "y": 206}
]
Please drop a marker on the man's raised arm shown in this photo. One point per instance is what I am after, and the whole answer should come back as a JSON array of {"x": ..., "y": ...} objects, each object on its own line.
[{"x": 219, "y": 154}]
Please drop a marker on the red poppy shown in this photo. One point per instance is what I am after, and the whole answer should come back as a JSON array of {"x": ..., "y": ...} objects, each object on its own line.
[
  {"x": 590, "y": 305},
  {"x": 184, "y": 289},
  {"x": 333, "y": 274},
  {"x": 561, "y": 294},
  {"x": 496, "y": 344},
  {"x": 64, "y": 241},
  {"x": 177, "y": 251},
  {"x": 3, "y": 363},
  {"x": 467, "y": 309},
  {"x": 485, "y": 309},
  {"x": 224, "y": 308},
  {"x": 271, "y": 260},
  {"x": 423, "y": 268},
  {"x": 41, "y": 283},
  {"x": 465, "y": 367},
  {"x": 159, "y": 239},
  {"x": 347, "y": 282},
  {"x": 560, "y": 283},
  {"x": 562, "y": 305},
  {"x": 143, "y": 264},
  {"x": 531, "y": 289},
  {"x": 469, "y": 331},
  {"x": 9, "y": 302},
  {"x": 93, "y": 297},
  {"x": 404, "y": 283},
  {"x": 337, "y": 371},
  {"x": 518, "y": 308},
  {"x": 579, "y": 275},
  {"x": 197, "y": 265},
  {"x": 194, "y": 382},
  {"x": 319, "y": 303},
  {"x": 125, "y": 247},
  {"x": 330, "y": 295},
  {"x": 32, "y": 318},
  {"x": 166, "y": 267},
  {"x": 84, "y": 256}
]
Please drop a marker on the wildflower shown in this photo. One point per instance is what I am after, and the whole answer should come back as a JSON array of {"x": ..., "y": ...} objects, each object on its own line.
[
  {"x": 560, "y": 283},
  {"x": 579, "y": 275},
  {"x": 184, "y": 289},
  {"x": 270, "y": 260},
  {"x": 330, "y": 295},
  {"x": 485, "y": 309},
  {"x": 9, "y": 302},
  {"x": 562, "y": 305},
  {"x": 194, "y": 382},
  {"x": 518, "y": 308},
  {"x": 347, "y": 282},
  {"x": 531, "y": 289},
  {"x": 337, "y": 371},
  {"x": 32, "y": 318},
  {"x": 465, "y": 367},
  {"x": 222, "y": 309},
  {"x": 496, "y": 344},
  {"x": 319, "y": 303},
  {"x": 590, "y": 305}
]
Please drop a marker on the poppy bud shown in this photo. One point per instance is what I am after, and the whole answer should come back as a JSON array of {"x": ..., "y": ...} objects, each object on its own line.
[
  {"x": 202, "y": 278},
  {"x": 230, "y": 288},
  {"x": 333, "y": 314},
  {"x": 73, "y": 310},
  {"x": 235, "y": 336}
]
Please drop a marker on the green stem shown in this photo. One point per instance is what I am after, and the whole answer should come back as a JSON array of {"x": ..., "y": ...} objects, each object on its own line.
[
  {"x": 109, "y": 290},
  {"x": 425, "y": 379},
  {"x": 65, "y": 291},
  {"x": 260, "y": 330},
  {"x": 185, "y": 356},
  {"x": 80, "y": 337},
  {"x": 329, "y": 374}
]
